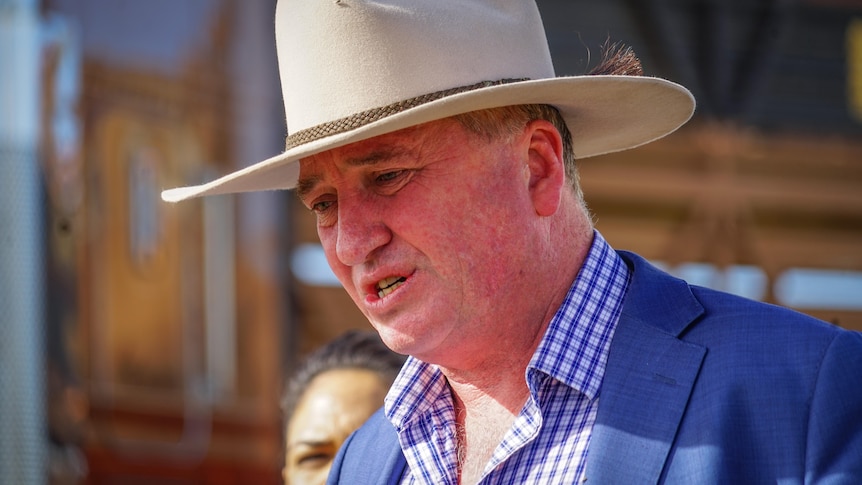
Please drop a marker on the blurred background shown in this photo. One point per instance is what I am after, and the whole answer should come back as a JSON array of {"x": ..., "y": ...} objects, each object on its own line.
[{"x": 142, "y": 342}]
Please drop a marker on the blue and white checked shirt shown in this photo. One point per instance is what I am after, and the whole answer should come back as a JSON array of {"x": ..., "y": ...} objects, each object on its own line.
[{"x": 549, "y": 440}]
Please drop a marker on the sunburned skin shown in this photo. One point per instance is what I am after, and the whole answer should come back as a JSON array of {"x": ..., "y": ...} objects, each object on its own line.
[
  {"x": 413, "y": 224},
  {"x": 447, "y": 240}
]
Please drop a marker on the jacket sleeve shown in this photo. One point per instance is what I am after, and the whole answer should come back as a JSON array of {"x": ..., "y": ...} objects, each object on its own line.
[{"x": 834, "y": 447}]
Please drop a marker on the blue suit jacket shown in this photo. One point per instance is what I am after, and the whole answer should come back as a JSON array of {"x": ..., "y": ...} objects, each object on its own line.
[{"x": 700, "y": 387}]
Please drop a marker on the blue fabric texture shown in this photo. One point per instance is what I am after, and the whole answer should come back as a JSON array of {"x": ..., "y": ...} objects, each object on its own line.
[{"x": 700, "y": 387}]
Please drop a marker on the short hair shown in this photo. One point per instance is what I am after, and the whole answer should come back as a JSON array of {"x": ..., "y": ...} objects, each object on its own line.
[
  {"x": 617, "y": 60},
  {"x": 494, "y": 123},
  {"x": 354, "y": 349}
]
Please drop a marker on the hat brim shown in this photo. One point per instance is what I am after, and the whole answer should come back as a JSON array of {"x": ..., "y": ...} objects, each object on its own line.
[{"x": 605, "y": 114}]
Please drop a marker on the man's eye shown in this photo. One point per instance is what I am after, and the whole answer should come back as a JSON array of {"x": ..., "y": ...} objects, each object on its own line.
[
  {"x": 321, "y": 207},
  {"x": 389, "y": 176},
  {"x": 326, "y": 212}
]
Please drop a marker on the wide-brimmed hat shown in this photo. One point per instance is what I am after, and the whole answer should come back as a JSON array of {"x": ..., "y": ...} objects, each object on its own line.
[{"x": 354, "y": 69}]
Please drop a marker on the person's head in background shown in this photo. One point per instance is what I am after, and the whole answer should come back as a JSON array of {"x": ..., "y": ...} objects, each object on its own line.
[{"x": 334, "y": 391}]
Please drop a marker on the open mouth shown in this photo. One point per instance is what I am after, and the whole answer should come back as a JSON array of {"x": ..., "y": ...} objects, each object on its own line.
[{"x": 388, "y": 285}]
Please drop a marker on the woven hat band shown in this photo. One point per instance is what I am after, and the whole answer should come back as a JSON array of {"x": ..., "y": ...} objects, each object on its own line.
[
  {"x": 369, "y": 116},
  {"x": 356, "y": 69}
]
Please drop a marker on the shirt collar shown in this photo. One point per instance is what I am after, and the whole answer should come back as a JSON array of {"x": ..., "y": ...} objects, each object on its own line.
[
  {"x": 573, "y": 350},
  {"x": 575, "y": 347}
]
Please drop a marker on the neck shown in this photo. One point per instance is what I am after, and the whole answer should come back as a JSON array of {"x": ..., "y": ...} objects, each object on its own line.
[
  {"x": 503, "y": 388},
  {"x": 495, "y": 370},
  {"x": 490, "y": 391},
  {"x": 482, "y": 419}
]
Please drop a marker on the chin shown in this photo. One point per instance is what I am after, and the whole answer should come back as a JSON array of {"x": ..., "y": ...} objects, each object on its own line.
[
  {"x": 396, "y": 341},
  {"x": 401, "y": 342}
]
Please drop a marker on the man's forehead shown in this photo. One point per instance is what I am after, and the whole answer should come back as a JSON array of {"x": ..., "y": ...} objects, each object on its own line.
[
  {"x": 359, "y": 154},
  {"x": 375, "y": 150},
  {"x": 378, "y": 146},
  {"x": 365, "y": 153},
  {"x": 365, "y": 156}
]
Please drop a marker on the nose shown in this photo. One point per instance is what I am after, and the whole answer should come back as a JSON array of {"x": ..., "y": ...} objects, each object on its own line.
[{"x": 361, "y": 230}]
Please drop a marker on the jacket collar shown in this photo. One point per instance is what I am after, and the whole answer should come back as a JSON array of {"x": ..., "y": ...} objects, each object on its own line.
[{"x": 648, "y": 380}]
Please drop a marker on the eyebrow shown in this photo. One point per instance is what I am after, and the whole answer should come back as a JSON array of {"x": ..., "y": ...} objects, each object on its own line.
[
  {"x": 310, "y": 443},
  {"x": 306, "y": 185}
]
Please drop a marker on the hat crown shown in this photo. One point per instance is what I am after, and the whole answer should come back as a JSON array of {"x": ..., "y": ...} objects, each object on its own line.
[
  {"x": 355, "y": 69},
  {"x": 338, "y": 58}
]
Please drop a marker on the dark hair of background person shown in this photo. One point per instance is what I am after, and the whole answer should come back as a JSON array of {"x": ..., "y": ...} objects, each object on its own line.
[{"x": 354, "y": 349}]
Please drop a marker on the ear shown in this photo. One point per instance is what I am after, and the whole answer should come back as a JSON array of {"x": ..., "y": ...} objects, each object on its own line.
[{"x": 546, "y": 166}]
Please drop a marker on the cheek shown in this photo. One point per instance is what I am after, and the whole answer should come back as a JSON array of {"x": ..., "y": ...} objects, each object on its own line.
[
  {"x": 482, "y": 223},
  {"x": 491, "y": 238}
]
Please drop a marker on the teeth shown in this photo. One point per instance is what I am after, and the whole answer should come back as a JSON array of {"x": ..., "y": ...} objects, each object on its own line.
[{"x": 388, "y": 285}]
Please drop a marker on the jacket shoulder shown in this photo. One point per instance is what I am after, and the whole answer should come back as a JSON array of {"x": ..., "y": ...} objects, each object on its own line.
[{"x": 371, "y": 455}]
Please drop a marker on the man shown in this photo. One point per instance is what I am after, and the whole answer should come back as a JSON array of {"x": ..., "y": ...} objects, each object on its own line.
[{"x": 437, "y": 148}]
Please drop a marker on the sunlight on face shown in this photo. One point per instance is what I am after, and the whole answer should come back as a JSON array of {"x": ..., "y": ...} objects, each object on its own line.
[
  {"x": 335, "y": 404},
  {"x": 412, "y": 224}
]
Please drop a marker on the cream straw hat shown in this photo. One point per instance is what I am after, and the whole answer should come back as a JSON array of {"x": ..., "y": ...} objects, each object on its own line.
[{"x": 355, "y": 69}]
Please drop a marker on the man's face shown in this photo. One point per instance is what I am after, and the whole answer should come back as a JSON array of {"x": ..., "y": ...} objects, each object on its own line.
[{"x": 429, "y": 230}]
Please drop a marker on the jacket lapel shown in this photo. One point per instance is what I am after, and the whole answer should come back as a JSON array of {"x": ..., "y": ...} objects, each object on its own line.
[{"x": 648, "y": 379}]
